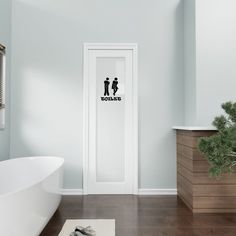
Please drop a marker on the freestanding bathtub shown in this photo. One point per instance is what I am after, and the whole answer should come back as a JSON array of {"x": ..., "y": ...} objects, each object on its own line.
[{"x": 29, "y": 194}]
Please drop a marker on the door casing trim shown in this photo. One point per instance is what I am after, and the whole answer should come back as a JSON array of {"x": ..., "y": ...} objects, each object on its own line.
[{"x": 109, "y": 46}]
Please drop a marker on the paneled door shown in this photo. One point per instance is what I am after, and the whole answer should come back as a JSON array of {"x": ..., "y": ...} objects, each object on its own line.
[{"x": 110, "y": 119}]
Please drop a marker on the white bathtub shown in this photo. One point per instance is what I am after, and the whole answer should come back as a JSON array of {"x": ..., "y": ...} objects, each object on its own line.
[{"x": 29, "y": 194}]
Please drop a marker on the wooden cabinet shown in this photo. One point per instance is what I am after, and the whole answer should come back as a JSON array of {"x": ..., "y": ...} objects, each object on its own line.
[{"x": 201, "y": 193}]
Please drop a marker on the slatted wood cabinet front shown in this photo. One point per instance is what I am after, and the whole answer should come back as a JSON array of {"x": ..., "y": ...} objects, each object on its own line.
[{"x": 201, "y": 193}]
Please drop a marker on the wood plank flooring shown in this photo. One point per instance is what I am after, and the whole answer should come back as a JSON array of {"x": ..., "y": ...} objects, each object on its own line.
[{"x": 142, "y": 216}]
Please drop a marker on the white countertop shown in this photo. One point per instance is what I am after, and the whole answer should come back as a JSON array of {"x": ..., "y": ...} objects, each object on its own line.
[{"x": 195, "y": 128}]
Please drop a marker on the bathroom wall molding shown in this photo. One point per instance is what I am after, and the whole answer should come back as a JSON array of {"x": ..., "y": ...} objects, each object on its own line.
[
  {"x": 140, "y": 192},
  {"x": 157, "y": 191},
  {"x": 72, "y": 192}
]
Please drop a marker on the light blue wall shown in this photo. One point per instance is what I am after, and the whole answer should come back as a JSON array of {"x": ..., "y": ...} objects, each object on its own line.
[
  {"x": 5, "y": 39},
  {"x": 210, "y": 58},
  {"x": 46, "y": 96},
  {"x": 190, "y": 62},
  {"x": 216, "y": 57}
]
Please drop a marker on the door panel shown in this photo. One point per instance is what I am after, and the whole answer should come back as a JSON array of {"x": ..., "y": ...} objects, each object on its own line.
[{"x": 110, "y": 156}]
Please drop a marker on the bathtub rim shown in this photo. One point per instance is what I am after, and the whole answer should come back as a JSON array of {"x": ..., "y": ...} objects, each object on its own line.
[{"x": 62, "y": 161}]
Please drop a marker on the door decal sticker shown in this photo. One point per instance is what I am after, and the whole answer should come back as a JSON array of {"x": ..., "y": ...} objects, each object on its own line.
[
  {"x": 106, "y": 87},
  {"x": 114, "y": 86},
  {"x": 107, "y": 91}
]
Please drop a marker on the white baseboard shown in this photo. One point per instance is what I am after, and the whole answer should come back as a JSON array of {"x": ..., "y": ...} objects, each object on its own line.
[
  {"x": 72, "y": 191},
  {"x": 140, "y": 192},
  {"x": 157, "y": 192}
]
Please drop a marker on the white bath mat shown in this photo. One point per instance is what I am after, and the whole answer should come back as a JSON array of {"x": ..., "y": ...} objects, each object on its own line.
[{"x": 101, "y": 227}]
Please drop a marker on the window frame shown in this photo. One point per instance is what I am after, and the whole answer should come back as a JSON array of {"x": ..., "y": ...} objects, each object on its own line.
[{"x": 3, "y": 84}]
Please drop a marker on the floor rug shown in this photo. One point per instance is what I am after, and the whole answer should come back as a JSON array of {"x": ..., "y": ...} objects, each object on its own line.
[{"x": 101, "y": 227}]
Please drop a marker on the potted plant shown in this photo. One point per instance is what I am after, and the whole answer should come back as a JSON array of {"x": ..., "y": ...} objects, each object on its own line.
[{"x": 220, "y": 149}]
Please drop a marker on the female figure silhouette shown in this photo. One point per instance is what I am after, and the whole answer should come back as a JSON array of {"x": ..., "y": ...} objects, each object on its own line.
[{"x": 114, "y": 86}]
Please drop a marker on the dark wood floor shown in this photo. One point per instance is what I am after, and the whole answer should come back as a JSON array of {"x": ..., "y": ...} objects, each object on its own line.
[{"x": 142, "y": 216}]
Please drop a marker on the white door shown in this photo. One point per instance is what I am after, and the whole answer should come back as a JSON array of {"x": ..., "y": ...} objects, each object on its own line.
[{"x": 110, "y": 119}]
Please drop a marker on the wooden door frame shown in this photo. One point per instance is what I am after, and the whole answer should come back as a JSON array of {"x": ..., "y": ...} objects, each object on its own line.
[{"x": 109, "y": 46}]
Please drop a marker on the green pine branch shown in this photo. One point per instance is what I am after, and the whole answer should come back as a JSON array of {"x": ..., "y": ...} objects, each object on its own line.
[{"x": 220, "y": 149}]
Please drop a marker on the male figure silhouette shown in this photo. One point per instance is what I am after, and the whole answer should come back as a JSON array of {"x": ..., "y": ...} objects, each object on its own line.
[
  {"x": 114, "y": 86},
  {"x": 106, "y": 87}
]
